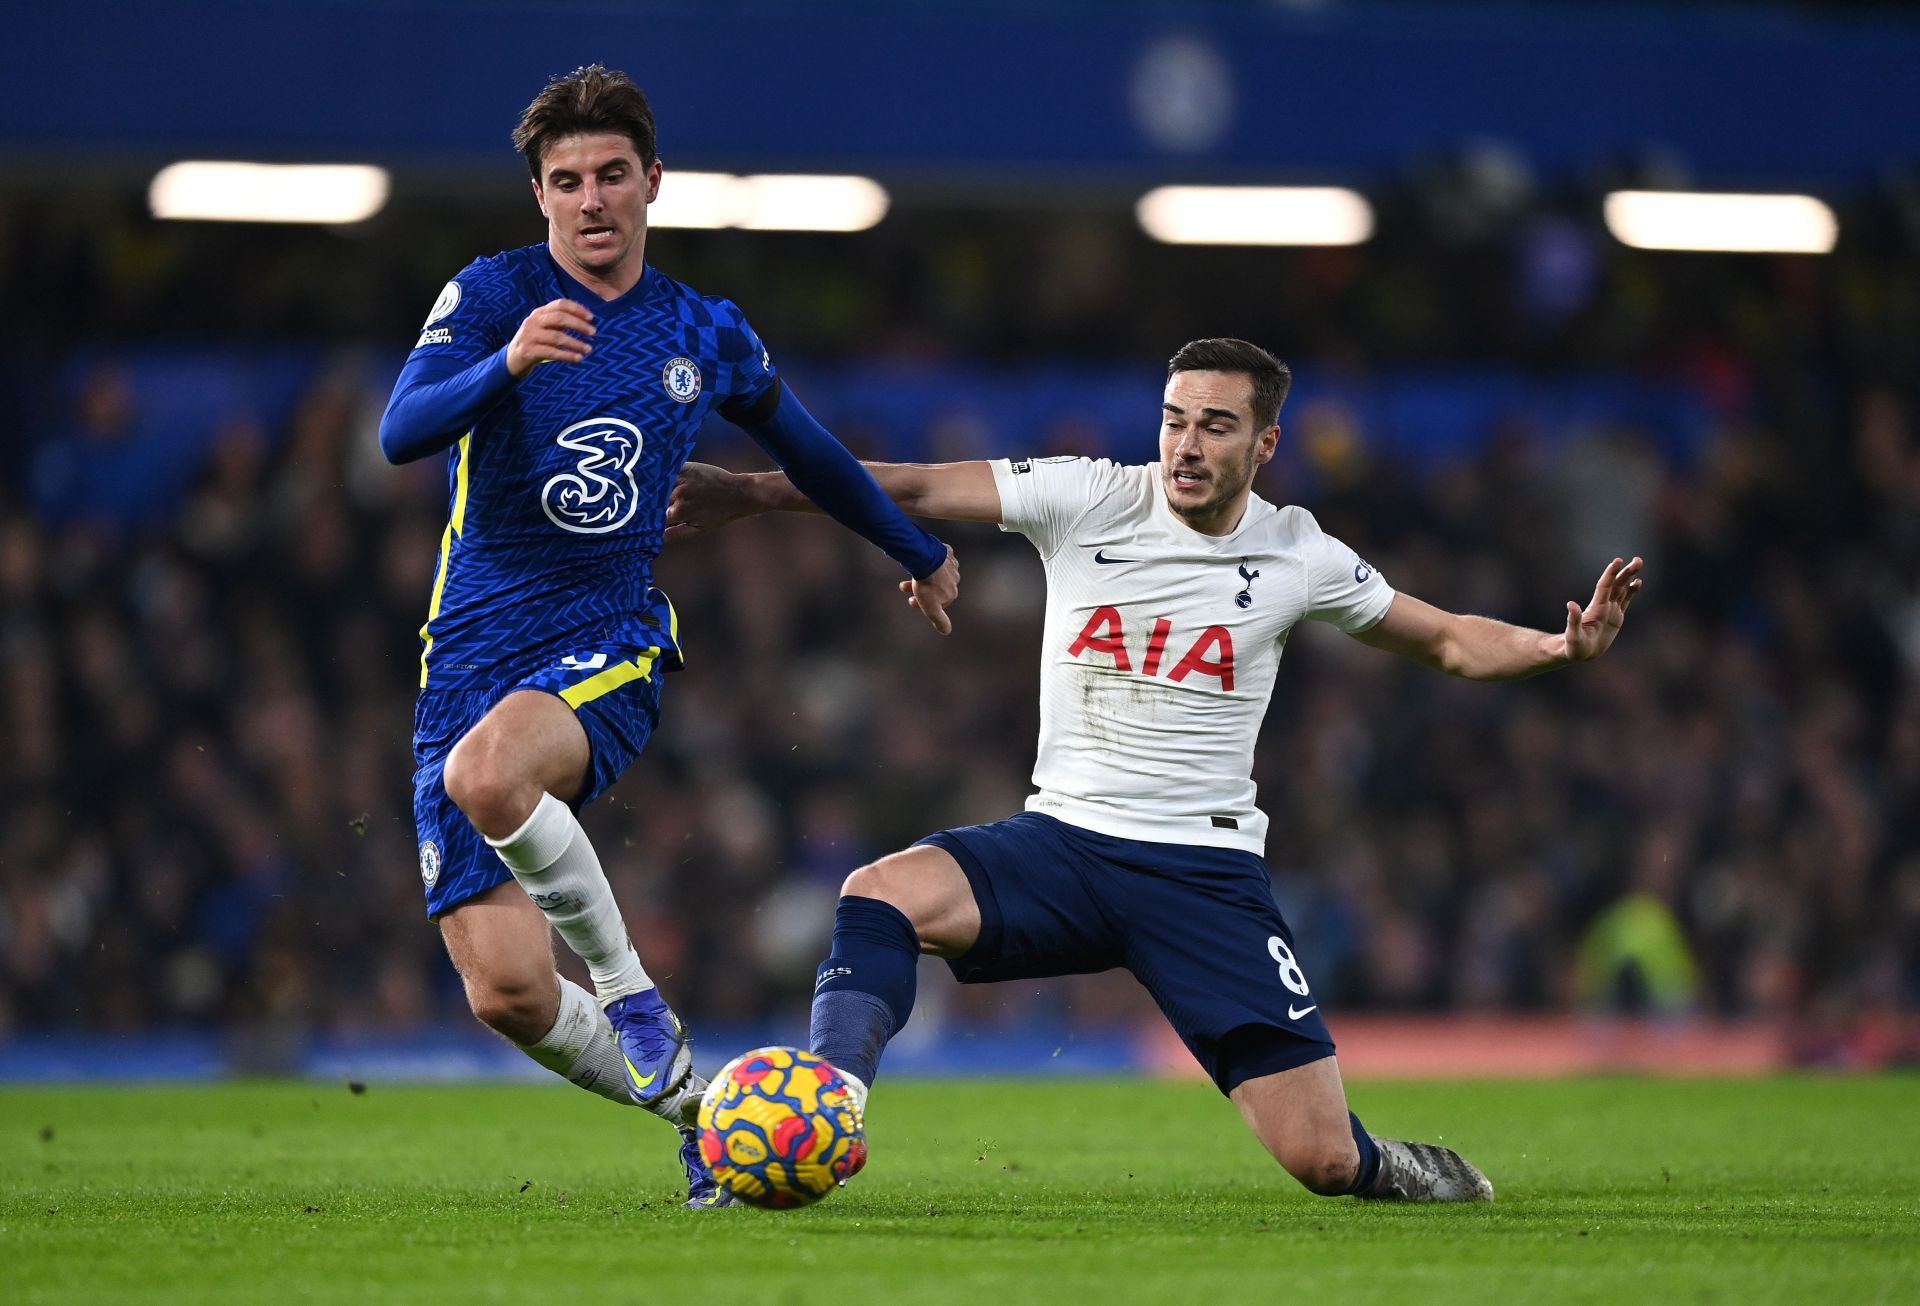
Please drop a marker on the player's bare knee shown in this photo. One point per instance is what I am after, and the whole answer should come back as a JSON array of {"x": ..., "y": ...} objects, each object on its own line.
[
  {"x": 482, "y": 785},
  {"x": 887, "y": 881},
  {"x": 928, "y": 888},
  {"x": 1326, "y": 1170},
  {"x": 522, "y": 1009},
  {"x": 893, "y": 880},
  {"x": 871, "y": 881}
]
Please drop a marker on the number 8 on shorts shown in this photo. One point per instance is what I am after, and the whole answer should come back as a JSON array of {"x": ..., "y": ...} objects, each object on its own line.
[{"x": 1290, "y": 972}]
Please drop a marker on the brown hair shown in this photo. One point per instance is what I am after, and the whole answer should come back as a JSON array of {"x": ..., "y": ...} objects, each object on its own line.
[
  {"x": 1271, "y": 377},
  {"x": 588, "y": 99}
]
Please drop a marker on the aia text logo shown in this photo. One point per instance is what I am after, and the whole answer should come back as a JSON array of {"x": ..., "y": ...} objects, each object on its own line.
[{"x": 1210, "y": 655}]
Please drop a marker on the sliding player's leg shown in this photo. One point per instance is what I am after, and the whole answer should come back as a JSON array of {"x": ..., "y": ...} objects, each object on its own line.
[
  {"x": 1009, "y": 900},
  {"x": 1301, "y": 1117},
  {"x": 1206, "y": 938},
  {"x": 889, "y": 913}
]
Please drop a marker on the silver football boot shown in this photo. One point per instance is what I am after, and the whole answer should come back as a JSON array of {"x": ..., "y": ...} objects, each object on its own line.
[{"x": 1425, "y": 1172}]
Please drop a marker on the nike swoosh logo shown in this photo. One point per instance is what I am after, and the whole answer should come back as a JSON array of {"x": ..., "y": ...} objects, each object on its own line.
[
  {"x": 642, "y": 1081},
  {"x": 1100, "y": 556},
  {"x": 1291, "y": 1013}
]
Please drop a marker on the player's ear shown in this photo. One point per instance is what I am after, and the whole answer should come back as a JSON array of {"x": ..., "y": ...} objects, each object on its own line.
[
  {"x": 540, "y": 196},
  {"x": 653, "y": 181},
  {"x": 1269, "y": 441}
]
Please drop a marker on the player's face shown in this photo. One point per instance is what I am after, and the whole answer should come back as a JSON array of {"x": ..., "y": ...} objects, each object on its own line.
[
  {"x": 1209, "y": 447},
  {"x": 595, "y": 193}
]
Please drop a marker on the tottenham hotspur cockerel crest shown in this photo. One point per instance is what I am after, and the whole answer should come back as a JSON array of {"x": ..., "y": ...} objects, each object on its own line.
[{"x": 598, "y": 495}]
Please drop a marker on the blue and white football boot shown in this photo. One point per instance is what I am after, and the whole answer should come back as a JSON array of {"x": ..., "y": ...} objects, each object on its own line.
[
  {"x": 704, "y": 1192},
  {"x": 654, "y": 1045},
  {"x": 660, "y": 1079}
]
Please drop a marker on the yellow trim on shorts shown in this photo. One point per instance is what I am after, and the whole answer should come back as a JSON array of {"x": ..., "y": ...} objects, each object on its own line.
[
  {"x": 456, "y": 525},
  {"x": 602, "y": 683},
  {"x": 673, "y": 628}
]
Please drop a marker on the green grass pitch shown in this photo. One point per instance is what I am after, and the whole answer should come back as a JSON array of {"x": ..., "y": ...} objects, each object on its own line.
[{"x": 1798, "y": 1189}]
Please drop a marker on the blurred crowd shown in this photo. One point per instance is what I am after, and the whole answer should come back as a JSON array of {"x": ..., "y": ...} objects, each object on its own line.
[{"x": 207, "y": 721}]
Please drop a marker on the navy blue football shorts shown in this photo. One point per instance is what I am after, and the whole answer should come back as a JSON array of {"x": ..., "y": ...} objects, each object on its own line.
[
  {"x": 1197, "y": 926},
  {"x": 613, "y": 689}
]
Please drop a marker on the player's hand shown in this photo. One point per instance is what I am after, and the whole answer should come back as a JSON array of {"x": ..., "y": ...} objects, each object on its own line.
[
  {"x": 1590, "y": 631},
  {"x": 938, "y": 592},
  {"x": 705, "y": 498},
  {"x": 553, "y": 333}
]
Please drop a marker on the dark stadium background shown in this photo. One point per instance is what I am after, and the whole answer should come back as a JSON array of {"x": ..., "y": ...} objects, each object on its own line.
[{"x": 1703, "y": 850}]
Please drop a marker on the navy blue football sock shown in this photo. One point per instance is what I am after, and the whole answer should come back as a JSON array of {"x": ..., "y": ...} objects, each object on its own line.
[
  {"x": 865, "y": 990},
  {"x": 1369, "y": 1156}
]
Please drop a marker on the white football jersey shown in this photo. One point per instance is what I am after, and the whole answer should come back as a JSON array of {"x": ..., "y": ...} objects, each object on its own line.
[{"x": 1162, "y": 644}]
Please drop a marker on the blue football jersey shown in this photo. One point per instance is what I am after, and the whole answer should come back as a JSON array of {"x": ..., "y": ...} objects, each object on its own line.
[{"x": 558, "y": 493}]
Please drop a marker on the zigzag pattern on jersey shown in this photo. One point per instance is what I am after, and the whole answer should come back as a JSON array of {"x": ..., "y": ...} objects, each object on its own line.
[{"x": 568, "y": 485}]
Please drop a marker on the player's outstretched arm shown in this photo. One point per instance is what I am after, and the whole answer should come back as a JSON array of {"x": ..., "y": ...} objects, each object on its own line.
[
  {"x": 1480, "y": 648},
  {"x": 820, "y": 467},
  {"x": 706, "y": 497}
]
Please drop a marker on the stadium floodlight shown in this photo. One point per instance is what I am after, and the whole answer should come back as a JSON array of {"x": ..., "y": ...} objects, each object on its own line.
[
  {"x": 799, "y": 202},
  {"x": 1255, "y": 215},
  {"x": 773, "y": 202},
  {"x": 1721, "y": 223},
  {"x": 212, "y": 191},
  {"x": 694, "y": 199}
]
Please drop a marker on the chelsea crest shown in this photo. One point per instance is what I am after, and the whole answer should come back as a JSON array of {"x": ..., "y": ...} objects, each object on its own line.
[{"x": 682, "y": 380}]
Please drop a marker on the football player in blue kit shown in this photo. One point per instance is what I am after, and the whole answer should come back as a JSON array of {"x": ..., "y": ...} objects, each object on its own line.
[
  {"x": 1171, "y": 591},
  {"x": 569, "y": 379}
]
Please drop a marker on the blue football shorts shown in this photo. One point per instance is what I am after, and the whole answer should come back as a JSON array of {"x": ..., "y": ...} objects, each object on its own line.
[
  {"x": 1198, "y": 927},
  {"x": 614, "y": 690}
]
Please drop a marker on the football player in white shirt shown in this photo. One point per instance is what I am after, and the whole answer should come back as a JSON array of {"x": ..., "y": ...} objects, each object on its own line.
[{"x": 1171, "y": 588}]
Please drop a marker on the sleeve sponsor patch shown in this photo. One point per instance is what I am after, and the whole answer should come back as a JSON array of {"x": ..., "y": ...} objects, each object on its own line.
[
  {"x": 448, "y": 301},
  {"x": 1022, "y": 466}
]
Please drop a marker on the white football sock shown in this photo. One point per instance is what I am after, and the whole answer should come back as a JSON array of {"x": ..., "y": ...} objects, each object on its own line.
[
  {"x": 581, "y": 1046},
  {"x": 554, "y": 862}
]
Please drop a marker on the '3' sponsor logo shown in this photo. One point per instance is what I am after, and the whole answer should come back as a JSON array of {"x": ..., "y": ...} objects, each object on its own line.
[{"x": 598, "y": 493}]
